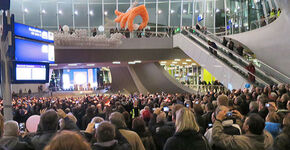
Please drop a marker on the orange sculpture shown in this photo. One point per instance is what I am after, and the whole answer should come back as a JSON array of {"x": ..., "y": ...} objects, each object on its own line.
[{"x": 129, "y": 17}]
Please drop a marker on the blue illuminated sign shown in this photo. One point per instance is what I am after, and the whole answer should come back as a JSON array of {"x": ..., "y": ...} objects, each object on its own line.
[
  {"x": 29, "y": 32},
  {"x": 30, "y": 51}
]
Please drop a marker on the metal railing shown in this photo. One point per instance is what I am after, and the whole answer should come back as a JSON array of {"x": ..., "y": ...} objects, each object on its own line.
[
  {"x": 262, "y": 68},
  {"x": 238, "y": 58},
  {"x": 224, "y": 57}
]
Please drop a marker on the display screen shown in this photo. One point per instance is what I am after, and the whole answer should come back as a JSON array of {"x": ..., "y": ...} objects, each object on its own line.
[
  {"x": 30, "y": 72},
  {"x": 30, "y": 51},
  {"x": 33, "y": 33}
]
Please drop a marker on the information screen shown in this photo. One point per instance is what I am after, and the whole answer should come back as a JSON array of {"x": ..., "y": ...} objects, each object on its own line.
[
  {"x": 30, "y": 51},
  {"x": 30, "y": 72},
  {"x": 26, "y": 31}
]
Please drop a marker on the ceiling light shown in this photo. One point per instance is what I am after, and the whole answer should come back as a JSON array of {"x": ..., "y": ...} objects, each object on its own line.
[
  {"x": 60, "y": 11},
  {"x": 90, "y": 65},
  {"x": 184, "y": 63},
  {"x": 184, "y": 11},
  {"x": 43, "y": 11},
  {"x": 194, "y": 64},
  {"x": 163, "y": 62},
  {"x": 196, "y": 11},
  {"x": 172, "y": 11},
  {"x": 217, "y": 10},
  {"x": 91, "y": 13},
  {"x": 174, "y": 62},
  {"x": 188, "y": 60},
  {"x": 76, "y": 12},
  {"x": 105, "y": 13},
  {"x": 176, "y": 59},
  {"x": 72, "y": 65},
  {"x": 116, "y": 62},
  {"x": 26, "y": 10},
  {"x": 159, "y": 11},
  {"x": 131, "y": 62},
  {"x": 138, "y": 61}
]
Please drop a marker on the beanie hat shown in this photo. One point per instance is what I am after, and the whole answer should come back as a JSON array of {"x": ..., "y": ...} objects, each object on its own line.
[{"x": 11, "y": 128}]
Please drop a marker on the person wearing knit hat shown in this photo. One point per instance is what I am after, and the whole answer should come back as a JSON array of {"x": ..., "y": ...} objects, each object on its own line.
[{"x": 10, "y": 138}]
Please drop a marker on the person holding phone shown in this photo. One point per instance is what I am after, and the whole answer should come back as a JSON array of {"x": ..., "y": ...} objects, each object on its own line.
[{"x": 10, "y": 139}]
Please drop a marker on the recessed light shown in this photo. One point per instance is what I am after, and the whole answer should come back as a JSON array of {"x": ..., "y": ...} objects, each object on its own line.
[
  {"x": 91, "y": 13},
  {"x": 131, "y": 62},
  {"x": 72, "y": 64},
  {"x": 138, "y": 61},
  {"x": 174, "y": 62},
  {"x": 90, "y": 65},
  {"x": 176, "y": 59},
  {"x": 116, "y": 62},
  {"x": 60, "y": 11},
  {"x": 163, "y": 62},
  {"x": 188, "y": 60},
  {"x": 76, "y": 12},
  {"x": 194, "y": 64},
  {"x": 184, "y": 63}
]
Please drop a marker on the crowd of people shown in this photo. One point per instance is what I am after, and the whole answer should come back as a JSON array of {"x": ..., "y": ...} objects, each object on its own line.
[{"x": 242, "y": 119}]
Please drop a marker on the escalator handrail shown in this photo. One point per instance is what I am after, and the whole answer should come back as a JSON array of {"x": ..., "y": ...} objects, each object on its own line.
[
  {"x": 240, "y": 57},
  {"x": 201, "y": 42},
  {"x": 235, "y": 54}
]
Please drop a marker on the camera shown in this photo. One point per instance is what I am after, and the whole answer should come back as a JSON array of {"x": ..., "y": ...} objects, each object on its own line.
[{"x": 229, "y": 114}]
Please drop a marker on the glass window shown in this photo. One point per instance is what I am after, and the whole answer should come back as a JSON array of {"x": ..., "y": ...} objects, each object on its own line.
[
  {"x": 151, "y": 8},
  {"x": 81, "y": 15},
  {"x": 187, "y": 13},
  {"x": 31, "y": 10},
  {"x": 175, "y": 14},
  {"x": 163, "y": 13},
  {"x": 65, "y": 15},
  {"x": 95, "y": 15},
  {"x": 16, "y": 9},
  {"x": 49, "y": 12},
  {"x": 209, "y": 15},
  {"x": 109, "y": 15},
  {"x": 220, "y": 16}
]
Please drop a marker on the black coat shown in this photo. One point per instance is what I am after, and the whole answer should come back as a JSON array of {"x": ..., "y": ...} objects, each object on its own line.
[
  {"x": 13, "y": 143},
  {"x": 110, "y": 145},
  {"x": 42, "y": 139},
  {"x": 186, "y": 140}
]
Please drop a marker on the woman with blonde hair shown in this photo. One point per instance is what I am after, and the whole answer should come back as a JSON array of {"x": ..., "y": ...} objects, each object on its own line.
[
  {"x": 68, "y": 140},
  {"x": 187, "y": 136}
]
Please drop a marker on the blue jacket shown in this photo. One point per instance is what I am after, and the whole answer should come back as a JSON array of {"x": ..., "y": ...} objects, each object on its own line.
[{"x": 273, "y": 128}]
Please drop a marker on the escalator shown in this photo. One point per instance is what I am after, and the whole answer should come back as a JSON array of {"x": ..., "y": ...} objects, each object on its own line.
[
  {"x": 221, "y": 63},
  {"x": 264, "y": 71}
]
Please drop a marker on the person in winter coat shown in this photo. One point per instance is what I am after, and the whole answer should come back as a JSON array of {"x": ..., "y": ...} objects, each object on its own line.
[
  {"x": 105, "y": 134},
  {"x": 255, "y": 138},
  {"x": 139, "y": 126},
  {"x": 10, "y": 138},
  {"x": 187, "y": 136},
  {"x": 282, "y": 140},
  {"x": 132, "y": 137},
  {"x": 273, "y": 124}
]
